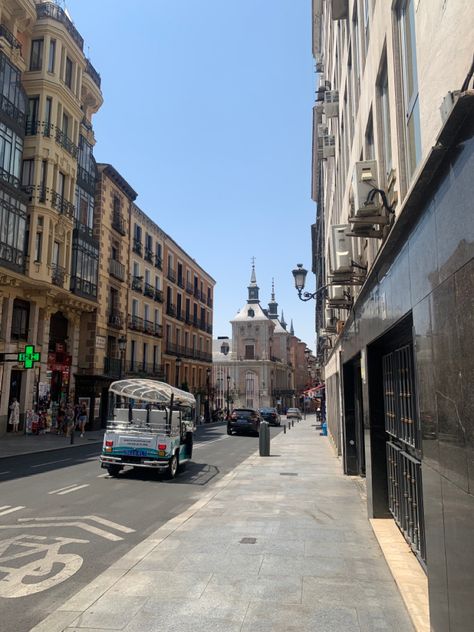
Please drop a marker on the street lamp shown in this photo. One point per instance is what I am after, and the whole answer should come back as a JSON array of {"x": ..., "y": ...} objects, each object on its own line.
[
  {"x": 299, "y": 274},
  {"x": 228, "y": 384},
  {"x": 208, "y": 407},
  {"x": 122, "y": 345},
  {"x": 178, "y": 366}
]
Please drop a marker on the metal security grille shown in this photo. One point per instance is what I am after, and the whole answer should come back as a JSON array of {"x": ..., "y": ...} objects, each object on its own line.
[{"x": 403, "y": 469}]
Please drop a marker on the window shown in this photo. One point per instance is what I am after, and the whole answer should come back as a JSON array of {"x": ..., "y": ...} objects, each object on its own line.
[
  {"x": 249, "y": 352},
  {"x": 147, "y": 277},
  {"x": 20, "y": 320},
  {"x": 38, "y": 246},
  {"x": 134, "y": 307},
  {"x": 47, "y": 115},
  {"x": 136, "y": 269},
  {"x": 146, "y": 312},
  {"x": 85, "y": 259},
  {"x": 11, "y": 150},
  {"x": 356, "y": 57},
  {"x": 133, "y": 354},
  {"x": 32, "y": 115},
  {"x": 84, "y": 207},
  {"x": 12, "y": 229},
  {"x": 369, "y": 151},
  {"x": 250, "y": 389},
  {"x": 65, "y": 127},
  {"x": 384, "y": 104},
  {"x": 36, "y": 58},
  {"x": 28, "y": 173},
  {"x": 52, "y": 55},
  {"x": 61, "y": 183},
  {"x": 68, "y": 73},
  {"x": 145, "y": 355},
  {"x": 406, "y": 17},
  {"x": 137, "y": 232},
  {"x": 55, "y": 254}
]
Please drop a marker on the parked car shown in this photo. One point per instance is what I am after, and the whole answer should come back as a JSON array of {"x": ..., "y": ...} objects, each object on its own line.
[
  {"x": 244, "y": 420},
  {"x": 271, "y": 415},
  {"x": 294, "y": 413}
]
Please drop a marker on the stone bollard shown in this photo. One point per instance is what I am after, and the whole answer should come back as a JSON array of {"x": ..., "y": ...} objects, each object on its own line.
[
  {"x": 264, "y": 439},
  {"x": 284, "y": 428}
]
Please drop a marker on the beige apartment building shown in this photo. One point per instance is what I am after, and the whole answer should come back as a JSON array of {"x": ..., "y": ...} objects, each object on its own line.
[
  {"x": 104, "y": 332},
  {"x": 145, "y": 302},
  {"x": 187, "y": 319},
  {"x": 48, "y": 255},
  {"x": 393, "y": 246}
]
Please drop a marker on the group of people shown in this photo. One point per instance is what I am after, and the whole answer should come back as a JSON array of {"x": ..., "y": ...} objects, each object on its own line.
[{"x": 68, "y": 417}]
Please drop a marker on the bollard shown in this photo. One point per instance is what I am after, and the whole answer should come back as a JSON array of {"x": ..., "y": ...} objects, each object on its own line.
[
  {"x": 284, "y": 428},
  {"x": 264, "y": 439},
  {"x": 293, "y": 423}
]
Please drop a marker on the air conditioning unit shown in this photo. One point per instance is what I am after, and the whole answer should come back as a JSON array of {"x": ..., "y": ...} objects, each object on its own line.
[
  {"x": 364, "y": 181},
  {"x": 331, "y": 103},
  {"x": 322, "y": 130},
  {"x": 329, "y": 146},
  {"x": 329, "y": 319},
  {"x": 341, "y": 249},
  {"x": 319, "y": 63}
]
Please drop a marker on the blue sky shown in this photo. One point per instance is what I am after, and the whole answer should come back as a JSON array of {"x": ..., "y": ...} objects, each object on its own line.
[{"x": 207, "y": 114}]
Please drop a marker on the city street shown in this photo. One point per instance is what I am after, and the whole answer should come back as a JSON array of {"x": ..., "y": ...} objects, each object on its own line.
[{"x": 61, "y": 503}]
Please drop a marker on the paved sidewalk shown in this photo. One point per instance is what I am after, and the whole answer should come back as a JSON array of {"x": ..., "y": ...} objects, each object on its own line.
[
  {"x": 280, "y": 544},
  {"x": 18, "y": 444}
]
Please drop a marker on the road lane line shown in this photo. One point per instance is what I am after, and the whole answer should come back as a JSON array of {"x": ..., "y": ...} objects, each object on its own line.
[
  {"x": 4, "y": 507},
  {"x": 103, "y": 475},
  {"x": 50, "y": 463},
  {"x": 74, "y": 489},
  {"x": 201, "y": 444},
  {"x": 109, "y": 523},
  {"x": 81, "y": 525},
  {"x": 11, "y": 510},
  {"x": 62, "y": 488}
]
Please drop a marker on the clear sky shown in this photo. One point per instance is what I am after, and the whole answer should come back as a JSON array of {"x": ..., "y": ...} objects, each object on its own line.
[{"x": 207, "y": 114}]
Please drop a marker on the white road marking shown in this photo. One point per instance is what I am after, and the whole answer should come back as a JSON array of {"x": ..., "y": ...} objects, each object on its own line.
[
  {"x": 11, "y": 510},
  {"x": 103, "y": 475},
  {"x": 50, "y": 463},
  {"x": 74, "y": 489},
  {"x": 81, "y": 525},
  {"x": 202, "y": 444},
  {"x": 55, "y": 491},
  {"x": 76, "y": 521},
  {"x": 103, "y": 521}
]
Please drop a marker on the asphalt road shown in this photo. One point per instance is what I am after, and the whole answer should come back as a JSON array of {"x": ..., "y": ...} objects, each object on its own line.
[{"x": 64, "y": 494}]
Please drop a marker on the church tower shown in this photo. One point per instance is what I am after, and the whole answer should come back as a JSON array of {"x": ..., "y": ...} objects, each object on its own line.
[{"x": 253, "y": 287}]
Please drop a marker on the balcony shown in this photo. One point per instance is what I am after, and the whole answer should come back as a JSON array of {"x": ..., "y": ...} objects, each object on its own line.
[
  {"x": 35, "y": 128},
  {"x": 118, "y": 223},
  {"x": 65, "y": 142},
  {"x": 149, "y": 327},
  {"x": 84, "y": 288},
  {"x": 9, "y": 37},
  {"x": 93, "y": 74},
  {"x": 58, "y": 274},
  {"x": 189, "y": 288},
  {"x": 171, "y": 310},
  {"x": 187, "y": 319},
  {"x": 180, "y": 282},
  {"x": 115, "y": 319},
  {"x": 13, "y": 113},
  {"x": 11, "y": 257},
  {"x": 117, "y": 269},
  {"x": 148, "y": 256},
  {"x": 149, "y": 290},
  {"x": 158, "y": 262},
  {"x": 61, "y": 205},
  {"x": 137, "y": 283},
  {"x": 85, "y": 180},
  {"x": 112, "y": 367},
  {"x": 202, "y": 325},
  {"x": 54, "y": 12},
  {"x": 209, "y": 329},
  {"x": 179, "y": 315},
  {"x": 171, "y": 275},
  {"x": 142, "y": 369},
  {"x": 9, "y": 178},
  {"x": 158, "y": 296},
  {"x": 157, "y": 330},
  {"x": 184, "y": 352},
  {"x": 209, "y": 302},
  {"x": 135, "y": 323},
  {"x": 137, "y": 246}
]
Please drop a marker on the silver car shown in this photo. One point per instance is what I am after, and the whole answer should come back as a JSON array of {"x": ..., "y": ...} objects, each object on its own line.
[{"x": 294, "y": 413}]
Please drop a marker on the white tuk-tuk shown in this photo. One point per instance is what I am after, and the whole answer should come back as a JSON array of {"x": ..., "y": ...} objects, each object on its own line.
[{"x": 152, "y": 427}]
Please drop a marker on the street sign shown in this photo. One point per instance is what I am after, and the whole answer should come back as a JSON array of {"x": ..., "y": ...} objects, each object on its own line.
[{"x": 29, "y": 356}]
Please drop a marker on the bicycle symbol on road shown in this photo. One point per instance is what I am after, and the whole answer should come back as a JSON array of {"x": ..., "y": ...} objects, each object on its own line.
[
  {"x": 40, "y": 573},
  {"x": 32, "y": 563}
]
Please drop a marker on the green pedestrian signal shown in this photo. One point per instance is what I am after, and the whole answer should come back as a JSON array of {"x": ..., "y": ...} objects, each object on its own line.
[{"x": 29, "y": 356}]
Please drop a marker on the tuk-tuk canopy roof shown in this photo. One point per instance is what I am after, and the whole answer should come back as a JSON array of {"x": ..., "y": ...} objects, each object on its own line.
[{"x": 152, "y": 391}]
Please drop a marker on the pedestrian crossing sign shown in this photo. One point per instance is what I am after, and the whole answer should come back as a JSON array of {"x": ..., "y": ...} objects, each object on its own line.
[{"x": 29, "y": 356}]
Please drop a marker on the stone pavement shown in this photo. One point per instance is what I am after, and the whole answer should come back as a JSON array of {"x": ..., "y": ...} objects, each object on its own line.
[
  {"x": 281, "y": 543},
  {"x": 18, "y": 444}
]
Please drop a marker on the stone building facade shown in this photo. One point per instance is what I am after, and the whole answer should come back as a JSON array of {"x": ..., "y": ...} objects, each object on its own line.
[{"x": 393, "y": 240}]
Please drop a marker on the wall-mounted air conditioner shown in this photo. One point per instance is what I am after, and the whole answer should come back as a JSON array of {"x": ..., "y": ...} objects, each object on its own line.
[
  {"x": 341, "y": 249},
  {"x": 364, "y": 180},
  {"x": 329, "y": 146},
  {"x": 329, "y": 319},
  {"x": 319, "y": 62},
  {"x": 331, "y": 103},
  {"x": 336, "y": 293}
]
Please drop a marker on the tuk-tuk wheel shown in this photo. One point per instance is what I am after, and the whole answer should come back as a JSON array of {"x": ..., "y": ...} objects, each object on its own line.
[
  {"x": 114, "y": 470},
  {"x": 173, "y": 466}
]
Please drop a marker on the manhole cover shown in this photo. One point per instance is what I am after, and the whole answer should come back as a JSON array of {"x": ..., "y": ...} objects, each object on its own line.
[
  {"x": 248, "y": 540},
  {"x": 288, "y": 474}
]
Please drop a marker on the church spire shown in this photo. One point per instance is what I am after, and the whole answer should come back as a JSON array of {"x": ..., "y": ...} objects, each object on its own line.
[
  {"x": 273, "y": 305},
  {"x": 253, "y": 287},
  {"x": 292, "y": 331}
]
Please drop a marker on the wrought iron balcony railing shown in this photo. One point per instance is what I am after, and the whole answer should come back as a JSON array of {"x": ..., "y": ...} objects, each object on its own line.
[
  {"x": 83, "y": 287},
  {"x": 137, "y": 246},
  {"x": 171, "y": 310},
  {"x": 65, "y": 142},
  {"x": 60, "y": 204},
  {"x": 158, "y": 262},
  {"x": 115, "y": 319},
  {"x": 118, "y": 223},
  {"x": 189, "y": 288},
  {"x": 158, "y": 297},
  {"x": 85, "y": 180},
  {"x": 137, "y": 283},
  {"x": 135, "y": 323},
  {"x": 148, "y": 255},
  {"x": 11, "y": 257},
  {"x": 93, "y": 74},
  {"x": 13, "y": 113},
  {"x": 180, "y": 282},
  {"x": 171, "y": 275},
  {"x": 209, "y": 301},
  {"x": 8, "y": 35},
  {"x": 54, "y": 11},
  {"x": 58, "y": 274},
  {"x": 112, "y": 367},
  {"x": 149, "y": 290}
]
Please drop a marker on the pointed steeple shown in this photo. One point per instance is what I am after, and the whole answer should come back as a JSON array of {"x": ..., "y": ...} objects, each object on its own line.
[
  {"x": 253, "y": 287},
  {"x": 282, "y": 320},
  {"x": 292, "y": 331},
  {"x": 273, "y": 305}
]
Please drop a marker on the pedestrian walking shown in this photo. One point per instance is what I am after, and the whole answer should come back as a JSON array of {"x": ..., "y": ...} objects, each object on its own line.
[
  {"x": 14, "y": 419},
  {"x": 82, "y": 418},
  {"x": 60, "y": 417}
]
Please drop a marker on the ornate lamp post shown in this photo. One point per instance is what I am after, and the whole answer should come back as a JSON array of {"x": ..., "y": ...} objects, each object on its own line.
[
  {"x": 299, "y": 274},
  {"x": 122, "y": 345},
  {"x": 178, "y": 366}
]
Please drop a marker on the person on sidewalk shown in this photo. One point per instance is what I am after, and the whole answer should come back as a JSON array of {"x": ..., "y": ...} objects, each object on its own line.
[
  {"x": 14, "y": 419},
  {"x": 60, "y": 416},
  {"x": 69, "y": 419},
  {"x": 82, "y": 418}
]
